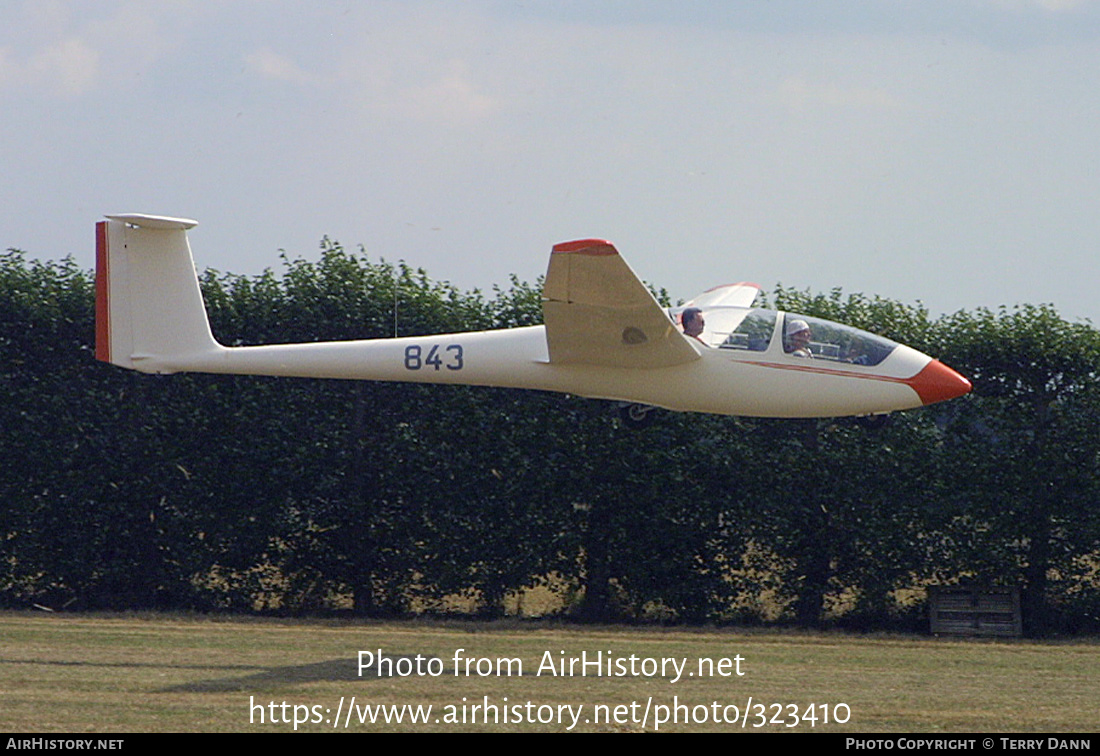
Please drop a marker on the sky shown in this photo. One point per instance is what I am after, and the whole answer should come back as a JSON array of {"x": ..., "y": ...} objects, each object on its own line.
[{"x": 945, "y": 152}]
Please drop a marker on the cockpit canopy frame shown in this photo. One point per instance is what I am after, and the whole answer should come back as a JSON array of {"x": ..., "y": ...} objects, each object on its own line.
[{"x": 754, "y": 330}]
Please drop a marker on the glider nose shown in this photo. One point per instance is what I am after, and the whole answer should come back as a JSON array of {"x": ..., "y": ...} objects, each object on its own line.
[{"x": 938, "y": 383}]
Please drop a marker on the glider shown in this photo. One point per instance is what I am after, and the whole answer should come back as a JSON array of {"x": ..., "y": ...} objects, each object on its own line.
[{"x": 605, "y": 336}]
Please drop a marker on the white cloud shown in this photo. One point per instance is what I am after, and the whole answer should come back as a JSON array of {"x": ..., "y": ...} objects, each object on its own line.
[
  {"x": 443, "y": 92},
  {"x": 399, "y": 68},
  {"x": 798, "y": 93},
  {"x": 451, "y": 94},
  {"x": 138, "y": 36},
  {"x": 1052, "y": 6},
  {"x": 65, "y": 50},
  {"x": 271, "y": 65},
  {"x": 8, "y": 68},
  {"x": 69, "y": 67},
  {"x": 1060, "y": 5}
]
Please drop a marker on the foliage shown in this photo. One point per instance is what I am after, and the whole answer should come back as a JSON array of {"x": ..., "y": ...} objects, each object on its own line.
[{"x": 245, "y": 494}]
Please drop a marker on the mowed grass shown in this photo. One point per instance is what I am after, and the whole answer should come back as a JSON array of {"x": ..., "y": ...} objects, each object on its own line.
[{"x": 153, "y": 673}]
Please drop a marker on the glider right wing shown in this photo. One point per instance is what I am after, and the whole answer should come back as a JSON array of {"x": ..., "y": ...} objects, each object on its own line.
[{"x": 597, "y": 312}]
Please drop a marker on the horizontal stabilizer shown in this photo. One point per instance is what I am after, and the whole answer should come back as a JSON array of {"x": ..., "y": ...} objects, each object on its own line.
[{"x": 159, "y": 222}]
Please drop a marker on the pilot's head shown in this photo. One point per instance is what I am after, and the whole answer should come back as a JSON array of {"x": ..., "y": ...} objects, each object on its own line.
[
  {"x": 692, "y": 319},
  {"x": 798, "y": 334}
]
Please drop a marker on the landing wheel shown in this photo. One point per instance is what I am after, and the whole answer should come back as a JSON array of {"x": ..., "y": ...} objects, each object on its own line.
[
  {"x": 873, "y": 422},
  {"x": 636, "y": 415}
]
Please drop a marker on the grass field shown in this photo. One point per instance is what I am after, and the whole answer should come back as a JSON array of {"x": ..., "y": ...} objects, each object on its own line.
[{"x": 151, "y": 673}]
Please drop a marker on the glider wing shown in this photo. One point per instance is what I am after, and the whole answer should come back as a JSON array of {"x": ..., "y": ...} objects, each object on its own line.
[
  {"x": 729, "y": 295},
  {"x": 597, "y": 312}
]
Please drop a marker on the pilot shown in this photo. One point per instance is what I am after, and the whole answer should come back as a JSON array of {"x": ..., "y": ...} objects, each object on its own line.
[
  {"x": 692, "y": 320},
  {"x": 797, "y": 341},
  {"x": 857, "y": 353}
]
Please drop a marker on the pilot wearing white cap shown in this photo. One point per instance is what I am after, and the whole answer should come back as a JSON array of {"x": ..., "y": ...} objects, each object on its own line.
[{"x": 797, "y": 338}]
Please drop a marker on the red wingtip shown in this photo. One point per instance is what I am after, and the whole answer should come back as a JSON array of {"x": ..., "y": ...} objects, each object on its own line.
[
  {"x": 102, "y": 310},
  {"x": 586, "y": 247},
  {"x": 938, "y": 383}
]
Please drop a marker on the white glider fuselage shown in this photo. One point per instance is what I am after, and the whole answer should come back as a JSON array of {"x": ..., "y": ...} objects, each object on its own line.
[
  {"x": 718, "y": 382},
  {"x": 618, "y": 346}
]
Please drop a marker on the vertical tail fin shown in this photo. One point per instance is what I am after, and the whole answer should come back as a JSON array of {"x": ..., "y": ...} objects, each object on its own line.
[{"x": 150, "y": 314}]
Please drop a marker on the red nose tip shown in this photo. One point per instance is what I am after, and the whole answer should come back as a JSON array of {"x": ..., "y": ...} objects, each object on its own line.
[{"x": 937, "y": 383}]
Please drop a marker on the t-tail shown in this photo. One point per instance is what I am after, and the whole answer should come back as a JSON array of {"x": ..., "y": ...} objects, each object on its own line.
[{"x": 150, "y": 314}]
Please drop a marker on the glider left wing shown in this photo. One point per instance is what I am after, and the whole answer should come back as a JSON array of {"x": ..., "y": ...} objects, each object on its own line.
[
  {"x": 597, "y": 312},
  {"x": 730, "y": 295}
]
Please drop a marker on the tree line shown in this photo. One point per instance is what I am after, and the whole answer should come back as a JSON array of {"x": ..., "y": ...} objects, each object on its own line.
[{"x": 250, "y": 494}]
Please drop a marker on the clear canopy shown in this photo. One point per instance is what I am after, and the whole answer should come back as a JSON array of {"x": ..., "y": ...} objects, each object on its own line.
[{"x": 753, "y": 330}]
